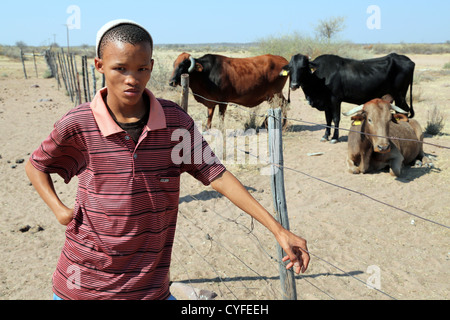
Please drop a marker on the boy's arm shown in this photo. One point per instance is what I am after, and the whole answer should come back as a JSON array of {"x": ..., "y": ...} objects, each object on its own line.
[
  {"x": 43, "y": 184},
  {"x": 294, "y": 246}
]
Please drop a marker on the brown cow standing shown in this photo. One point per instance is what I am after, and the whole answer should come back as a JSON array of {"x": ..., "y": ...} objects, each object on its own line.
[
  {"x": 373, "y": 151},
  {"x": 221, "y": 80}
]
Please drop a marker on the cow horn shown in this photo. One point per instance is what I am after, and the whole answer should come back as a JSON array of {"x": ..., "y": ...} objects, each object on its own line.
[
  {"x": 191, "y": 68},
  {"x": 353, "y": 111},
  {"x": 399, "y": 110}
]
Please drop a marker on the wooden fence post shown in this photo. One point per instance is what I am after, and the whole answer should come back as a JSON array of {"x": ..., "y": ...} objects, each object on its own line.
[
  {"x": 185, "y": 91},
  {"x": 83, "y": 70},
  {"x": 86, "y": 74},
  {"x": 62, "y": 70},
  {"x": 287, "y": 277},
  {"x": 35, "y": 66},
  {"x": 94, "y": 81},
  {"x": 23, "y": 64},
  {"x": 67, "y": 72},
  {"x": 76, "y": 76}
]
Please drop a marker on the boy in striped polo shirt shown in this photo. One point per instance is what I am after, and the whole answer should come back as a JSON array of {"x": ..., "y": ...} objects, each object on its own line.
[{"x": 120, "y": 233}]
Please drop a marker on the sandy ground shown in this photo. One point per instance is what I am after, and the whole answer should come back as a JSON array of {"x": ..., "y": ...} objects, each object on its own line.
[{"x": 391, "y": 233}]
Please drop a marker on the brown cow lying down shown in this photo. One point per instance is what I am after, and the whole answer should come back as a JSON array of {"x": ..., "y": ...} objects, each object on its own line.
[{"x": 374, "y": 151}]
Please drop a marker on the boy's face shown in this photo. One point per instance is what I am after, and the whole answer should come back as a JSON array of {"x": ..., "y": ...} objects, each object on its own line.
[{"x": 127, "y": 70}]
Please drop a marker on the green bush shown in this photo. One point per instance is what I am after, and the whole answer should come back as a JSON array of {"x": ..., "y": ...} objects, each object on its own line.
[{"x": 291, "y": 44}]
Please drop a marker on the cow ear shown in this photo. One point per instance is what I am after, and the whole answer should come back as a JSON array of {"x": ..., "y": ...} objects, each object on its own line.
[
  {"x": 198, "y": 67},
  {"x": 400, "y": 117},
  {"x": 312, "y": 66},
  {"x": 357, "y": 119},
  {"x": 358, "y": 116},
  {"x": 284, "y": 71}
]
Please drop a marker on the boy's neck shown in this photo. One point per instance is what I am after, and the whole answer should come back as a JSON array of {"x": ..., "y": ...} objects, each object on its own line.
[{"x": 127, "y": 114}]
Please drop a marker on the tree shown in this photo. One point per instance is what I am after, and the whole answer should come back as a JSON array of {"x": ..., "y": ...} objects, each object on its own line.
[
  {"x": 22, "y": 45},
  {"x": 329, "y": 28}
]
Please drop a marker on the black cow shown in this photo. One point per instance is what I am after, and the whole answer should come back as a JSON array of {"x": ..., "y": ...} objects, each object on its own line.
[{"x": 330, "y": 80}]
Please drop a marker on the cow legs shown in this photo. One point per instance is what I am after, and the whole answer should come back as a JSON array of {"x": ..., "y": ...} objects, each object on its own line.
[
  {"x": 222, "y": 110},
  {"x": 336, "y": 120},
  {"x": 396, "y": 165},
  {"x": 211, "y": 109},
  {"x": 352, "y": 167},
  {"x": 400, "y": 101},
  {"x": 284, "y": 108},
  {"x": 328, "y": 118},
  {"x": 332, "y": 115}
]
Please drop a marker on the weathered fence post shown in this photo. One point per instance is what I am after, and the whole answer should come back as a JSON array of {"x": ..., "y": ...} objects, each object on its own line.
[
  {"x": 87, "y": 79},
  {"x": 83, "y": 70},
  {"x": 94, "y": 81},
  {"x": 287, "y": 277},
  {"x": 23, "y": 64},
  {"x": 62, "y": 70},
  {"x": 73, "y": 60},
  {"x": 185, "y": 91},
  {"x": 67, "y": 73},
  {"x": 35, "y": 66}
]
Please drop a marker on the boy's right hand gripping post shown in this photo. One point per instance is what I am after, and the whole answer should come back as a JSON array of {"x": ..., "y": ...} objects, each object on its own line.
[{"x": 297, "y": 254}]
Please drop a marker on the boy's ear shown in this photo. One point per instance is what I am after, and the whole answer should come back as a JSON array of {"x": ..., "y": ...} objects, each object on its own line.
[
  {"x": 152, "y": 63},
  {"x": 99, "y": 65}
]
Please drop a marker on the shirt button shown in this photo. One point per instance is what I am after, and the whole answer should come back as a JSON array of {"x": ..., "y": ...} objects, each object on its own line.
[
  {"x": 127, "y": 137},
  {"x": 135, "y": 156}
]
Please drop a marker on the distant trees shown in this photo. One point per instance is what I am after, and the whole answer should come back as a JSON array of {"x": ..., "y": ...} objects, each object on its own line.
[
  {"x": 20, "y": 44},
  {"x": 329, "y": 28}
]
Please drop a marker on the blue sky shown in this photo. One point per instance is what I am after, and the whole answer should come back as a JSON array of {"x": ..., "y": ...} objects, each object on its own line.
[{"x": 211, "y": 21}]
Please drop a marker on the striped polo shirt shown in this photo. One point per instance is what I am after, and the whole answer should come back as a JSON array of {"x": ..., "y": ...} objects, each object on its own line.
[{"x": 119, "y": 243}]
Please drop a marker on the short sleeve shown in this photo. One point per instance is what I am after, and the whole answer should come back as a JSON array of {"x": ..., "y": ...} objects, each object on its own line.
[
  {"x": 60, "y": 154},
  {"x": 198, "y": 159}
]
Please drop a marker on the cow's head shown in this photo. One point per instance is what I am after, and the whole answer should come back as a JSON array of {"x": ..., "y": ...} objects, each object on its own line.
[
  {"x": 184, "y": 63},
  {"x": 375, "y": 117},
  {"x": 297, "y": 69}
]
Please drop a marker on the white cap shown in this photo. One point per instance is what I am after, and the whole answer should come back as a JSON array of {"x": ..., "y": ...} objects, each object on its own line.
[{"x": 111, "y": 24}]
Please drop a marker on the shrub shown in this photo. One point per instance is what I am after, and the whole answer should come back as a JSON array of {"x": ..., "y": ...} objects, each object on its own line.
[
  {"x": 436, "y": 121},
  {"x": 291, "y": 44}
]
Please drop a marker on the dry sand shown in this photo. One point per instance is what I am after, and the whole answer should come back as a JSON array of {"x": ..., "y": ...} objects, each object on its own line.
[{"x": 392, "y": 226}]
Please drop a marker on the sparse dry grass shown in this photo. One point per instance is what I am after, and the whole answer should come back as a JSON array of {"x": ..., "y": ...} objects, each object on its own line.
[{"x": 436, "y": 121}]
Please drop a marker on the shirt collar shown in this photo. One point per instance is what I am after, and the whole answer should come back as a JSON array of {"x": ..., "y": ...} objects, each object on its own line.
[{"x": 107, "y": 125}]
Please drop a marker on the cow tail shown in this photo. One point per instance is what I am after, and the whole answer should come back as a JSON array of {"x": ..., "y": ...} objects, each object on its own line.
[
  {"x": 411, "y": 100},
  {"x": 289, "y": 95}
]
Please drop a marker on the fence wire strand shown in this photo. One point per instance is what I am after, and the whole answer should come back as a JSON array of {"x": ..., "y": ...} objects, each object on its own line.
[
  {"x": 318, "y": 124},
  {"x": 329, "y": 183}
]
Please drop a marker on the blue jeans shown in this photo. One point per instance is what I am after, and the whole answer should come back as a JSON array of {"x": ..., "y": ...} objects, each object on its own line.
[{"x": 55, "y": 297}]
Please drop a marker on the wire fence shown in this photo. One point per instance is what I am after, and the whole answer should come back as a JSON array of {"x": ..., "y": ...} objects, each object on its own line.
[
  {"x": 321, "y": 124},
  {"x": 246, "y": 229},
  {"x": 249, "y": 231}
]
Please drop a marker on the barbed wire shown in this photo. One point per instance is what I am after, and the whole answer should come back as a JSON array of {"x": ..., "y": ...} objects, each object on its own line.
[
  {"x": 277, "y": 261},
  {"x": 344, "y": 188},
  {"x": 323, "y": 181},
  {"x": 319, "y": 124}
]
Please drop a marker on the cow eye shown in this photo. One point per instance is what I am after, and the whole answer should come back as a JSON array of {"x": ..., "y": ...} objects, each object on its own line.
[{"x": 369, "y": 120}]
